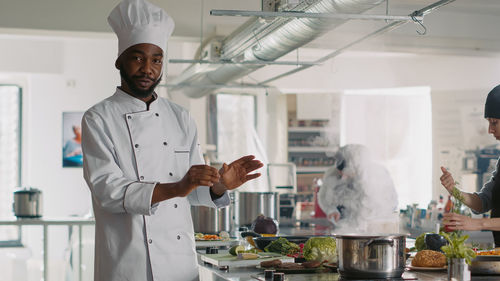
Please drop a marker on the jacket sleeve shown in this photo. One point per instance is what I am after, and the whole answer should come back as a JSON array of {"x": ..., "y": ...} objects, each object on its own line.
[
  {"x": 110, "y": 189},
  {"x": 201, "y": 196},
  {"x": 486, "y": 192}
]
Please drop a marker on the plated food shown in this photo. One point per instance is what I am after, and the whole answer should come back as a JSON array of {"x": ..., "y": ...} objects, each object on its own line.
[
  {"x": 211, "y": 237},
  {"x": 494, "y": 252}
]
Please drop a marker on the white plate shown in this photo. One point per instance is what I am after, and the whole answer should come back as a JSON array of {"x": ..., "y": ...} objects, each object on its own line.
[{"x": 423, "y": 268}]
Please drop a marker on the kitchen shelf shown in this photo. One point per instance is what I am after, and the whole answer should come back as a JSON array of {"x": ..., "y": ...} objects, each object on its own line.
[{"x": 311, "y": 149}]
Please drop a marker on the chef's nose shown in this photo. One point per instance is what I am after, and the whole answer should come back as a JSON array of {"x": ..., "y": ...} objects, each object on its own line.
[
  {"x": 147, "y": 67},
  {"x": 491, "y": 129}
]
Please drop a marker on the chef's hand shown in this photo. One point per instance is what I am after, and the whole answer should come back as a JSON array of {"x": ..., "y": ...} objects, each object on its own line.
[
  {"x": 334, "y": 217},
  {"x": 197, "y": 175},
  {"x": 237, "y": 173},
  {"x": 454, "y": 221},
  {"x": 447, "y": 180}
]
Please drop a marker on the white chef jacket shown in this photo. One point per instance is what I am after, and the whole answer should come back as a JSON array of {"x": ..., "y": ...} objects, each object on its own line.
[{"x": 127, "y": 150}]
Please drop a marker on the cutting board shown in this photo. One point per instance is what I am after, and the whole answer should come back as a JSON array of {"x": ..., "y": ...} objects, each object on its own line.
[
  {"x": 229, "y": 260},
  {"x": 216, "y": 243}
]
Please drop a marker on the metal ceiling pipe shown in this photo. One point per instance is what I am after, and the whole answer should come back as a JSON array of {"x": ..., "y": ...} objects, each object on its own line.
[{"x": 266, "y": 40}]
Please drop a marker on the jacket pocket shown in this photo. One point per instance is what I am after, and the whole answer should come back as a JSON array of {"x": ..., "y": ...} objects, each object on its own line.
[{"x": 182, "y": 159}]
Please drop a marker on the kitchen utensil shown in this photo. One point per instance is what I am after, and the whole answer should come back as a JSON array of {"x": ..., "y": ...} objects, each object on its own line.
[
  {"x": 211, "y": 220},
  {"x": 371, "y": 256},
  {"x": 249, "y": 205},
  {"x": 458, "y": 269},
  {"x": 27, "y": 203}
]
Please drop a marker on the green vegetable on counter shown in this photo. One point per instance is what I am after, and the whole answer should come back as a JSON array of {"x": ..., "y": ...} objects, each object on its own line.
[
  {"x": 457, "y": 248},
  {"x": 282, "y": 246},
  {"x": 320, "y": 249},
  {"x": 420, "y": 242}
]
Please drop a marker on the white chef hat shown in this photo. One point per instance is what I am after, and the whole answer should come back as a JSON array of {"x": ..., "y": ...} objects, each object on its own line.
[{"x": 138, "y": 21}]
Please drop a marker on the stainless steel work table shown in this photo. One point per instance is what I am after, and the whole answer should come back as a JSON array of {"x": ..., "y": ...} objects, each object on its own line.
[
  {"x": 211, "y": 273},
  {"x": 45, "y": 223}
]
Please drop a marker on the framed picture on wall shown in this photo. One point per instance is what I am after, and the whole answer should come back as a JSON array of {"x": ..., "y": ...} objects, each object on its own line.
[{"x": 72, "y": 139}]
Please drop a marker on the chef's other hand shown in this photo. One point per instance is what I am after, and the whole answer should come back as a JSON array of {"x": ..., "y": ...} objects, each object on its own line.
[
  {"x": 447, "y": 180},
  {"x": 238, "y": 172},
  {"x": 197, "y": 175},
  {"x": 454, "y": 221},
  {"x": 335, "y": 216}
]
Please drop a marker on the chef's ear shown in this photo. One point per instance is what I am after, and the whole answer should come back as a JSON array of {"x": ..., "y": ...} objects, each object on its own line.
[{"x": 117, "y": 63}]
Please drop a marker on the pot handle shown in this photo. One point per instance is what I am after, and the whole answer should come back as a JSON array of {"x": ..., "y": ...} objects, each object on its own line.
[{"x": 381, "y": 241}]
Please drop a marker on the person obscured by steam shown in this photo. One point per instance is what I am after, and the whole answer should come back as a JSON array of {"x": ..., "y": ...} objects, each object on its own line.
[{"x": 356, "y": 190}]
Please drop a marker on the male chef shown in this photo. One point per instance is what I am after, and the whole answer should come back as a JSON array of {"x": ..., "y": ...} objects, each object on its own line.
[{"x": 142, "y": 162}]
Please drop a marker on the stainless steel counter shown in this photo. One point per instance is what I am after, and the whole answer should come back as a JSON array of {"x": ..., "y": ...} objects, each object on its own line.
[{"x": 209, "y": 273}]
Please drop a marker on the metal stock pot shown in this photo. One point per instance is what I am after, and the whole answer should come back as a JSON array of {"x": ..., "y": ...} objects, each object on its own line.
[
  {"x": 211, "y": 220},
  {"x": 371, "y": 256},
  {"x": 27, "y": 203},
  {"x": 249, "y": 205}
]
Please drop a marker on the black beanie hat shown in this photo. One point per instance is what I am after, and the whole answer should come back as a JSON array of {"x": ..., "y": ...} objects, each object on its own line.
[{"x": 492, "y": 105}]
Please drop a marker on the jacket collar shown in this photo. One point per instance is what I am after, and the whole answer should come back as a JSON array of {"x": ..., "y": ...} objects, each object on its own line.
[{"x": 135, "y": 103}]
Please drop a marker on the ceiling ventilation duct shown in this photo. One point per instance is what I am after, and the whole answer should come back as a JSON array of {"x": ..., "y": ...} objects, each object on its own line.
[{"x": 265, "y": 40}]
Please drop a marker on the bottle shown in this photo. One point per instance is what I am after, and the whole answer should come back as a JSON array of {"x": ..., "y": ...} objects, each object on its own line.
[
  {"x": 440, "y": 208},
  {"x": 449, "y": 205}
]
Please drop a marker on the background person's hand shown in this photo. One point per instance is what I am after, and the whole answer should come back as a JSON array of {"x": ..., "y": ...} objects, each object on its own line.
[
  {"x": 238, "y": 172},
  {"x": 335, "y": 216},
  {"x": 454, "y": 221},
  {"x": 447, "y": 180},
  {"x": 196, "y": 176}
]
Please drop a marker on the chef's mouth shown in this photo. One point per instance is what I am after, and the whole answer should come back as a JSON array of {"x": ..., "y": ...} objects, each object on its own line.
[{"x": 144, "y": 82}]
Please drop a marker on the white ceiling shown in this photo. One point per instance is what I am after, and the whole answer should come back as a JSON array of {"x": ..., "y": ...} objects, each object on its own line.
[{"x": 465, "y": 26}]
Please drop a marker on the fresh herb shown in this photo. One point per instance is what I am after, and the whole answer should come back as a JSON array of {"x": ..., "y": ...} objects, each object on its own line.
[
  {"x": 457, "y": 248},
  {"x": 459, "y": 199}
]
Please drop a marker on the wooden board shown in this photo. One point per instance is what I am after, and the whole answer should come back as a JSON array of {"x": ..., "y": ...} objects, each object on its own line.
[{"x": 230, "y": 260}]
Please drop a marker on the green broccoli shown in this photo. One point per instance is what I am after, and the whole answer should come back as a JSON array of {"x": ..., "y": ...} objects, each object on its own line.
[
  {"x": 320, "y": 249},
  {"x": 282, "y": 246}
]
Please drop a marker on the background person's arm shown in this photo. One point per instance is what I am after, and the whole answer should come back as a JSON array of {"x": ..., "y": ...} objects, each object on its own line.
[{"x": 472, "y": 200}]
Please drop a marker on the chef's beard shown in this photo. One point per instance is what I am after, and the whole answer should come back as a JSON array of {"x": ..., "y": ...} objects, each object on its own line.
[{"x": 136, "y": 91}]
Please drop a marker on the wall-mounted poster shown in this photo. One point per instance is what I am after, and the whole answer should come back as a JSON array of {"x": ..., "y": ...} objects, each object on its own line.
[{"x": 72, "y": 139}]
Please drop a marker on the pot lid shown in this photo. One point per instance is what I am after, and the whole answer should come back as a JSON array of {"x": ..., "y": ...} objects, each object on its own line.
[{"x": 28, "y": 190}]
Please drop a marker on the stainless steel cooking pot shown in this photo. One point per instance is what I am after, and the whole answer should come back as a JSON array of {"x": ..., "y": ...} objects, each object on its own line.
[
  {"x": 210, "y": 220},
  {"x": 249, "y": 205},
  {"x": 27, "y": 203},
  {"x": 485, "y": 265},
  {"x": 371, "y": 256}
]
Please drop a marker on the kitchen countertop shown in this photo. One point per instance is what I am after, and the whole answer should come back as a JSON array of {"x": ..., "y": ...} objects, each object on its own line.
[{"x": 210, "y": 273}]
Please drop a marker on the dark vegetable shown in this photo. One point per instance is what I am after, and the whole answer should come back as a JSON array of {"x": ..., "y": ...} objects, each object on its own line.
[
  {"x": 265, "y": 225},
  {"x": 435, "y": 241}
]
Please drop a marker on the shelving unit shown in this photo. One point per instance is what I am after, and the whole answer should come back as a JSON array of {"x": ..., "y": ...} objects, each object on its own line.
[{"x": 309, "y": 149}]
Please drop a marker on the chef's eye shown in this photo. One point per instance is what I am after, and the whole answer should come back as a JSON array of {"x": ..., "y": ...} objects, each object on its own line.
[{"x": 157, "y": 61}]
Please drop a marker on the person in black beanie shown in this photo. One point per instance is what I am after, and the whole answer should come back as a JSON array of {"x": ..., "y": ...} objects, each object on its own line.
[{"x": 488, "y": 198}]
